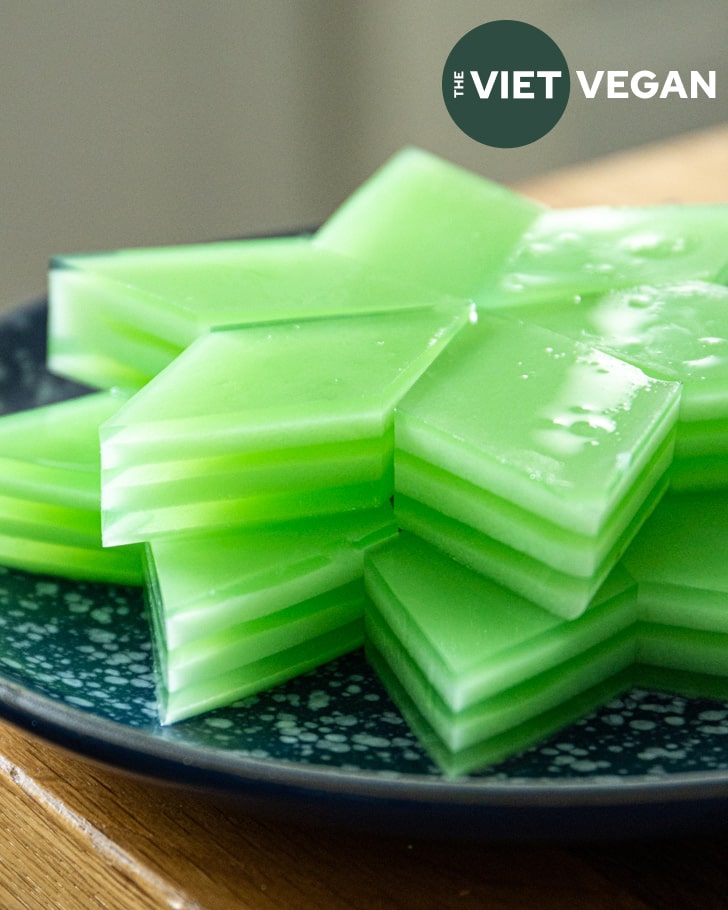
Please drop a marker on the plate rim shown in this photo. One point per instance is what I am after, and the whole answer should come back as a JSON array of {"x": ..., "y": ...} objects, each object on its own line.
[{"x": 225, "y": 769}]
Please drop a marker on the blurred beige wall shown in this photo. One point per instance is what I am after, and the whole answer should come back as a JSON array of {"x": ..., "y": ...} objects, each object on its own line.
[{"x": 159, "y": 121}]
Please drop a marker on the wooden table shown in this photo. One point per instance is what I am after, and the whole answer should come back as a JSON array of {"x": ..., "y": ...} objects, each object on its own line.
[{"x": 79, "y": 836}]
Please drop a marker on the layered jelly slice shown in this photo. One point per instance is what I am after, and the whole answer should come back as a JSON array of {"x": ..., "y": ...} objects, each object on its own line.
[
  {"x": 545, "y": 445},
  {"x": 492, "y": 672},
  {"x": 117, "y": 319},
  {"x": 50, "y": 508},
  {"x": 234, "y": 611},
  {"x": 671, "y": 331},
  {"x": 679, "y": 562},
  {"x": 568, "y": 252},
  {"x": 430, "y": 222},
  {"x": 267, "y": 423}
]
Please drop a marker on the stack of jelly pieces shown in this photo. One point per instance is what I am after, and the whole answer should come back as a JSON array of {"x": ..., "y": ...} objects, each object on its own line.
[
  {"x": 161, "y": 478},
  {"x": 267, "y": 423},
  {"x": 562, "y": 260},
  {"x": 245, "y": 609},
  {"x": 676, "y": 331},
  {"x": 532, "y": 458},
  {"x": 285, "y": 386},
  {"x": 493, "y": 672},
  {"x": 117, "y": 319},
  {"x": 679, "y": 562},
  {"x": 50, "y": 493}
]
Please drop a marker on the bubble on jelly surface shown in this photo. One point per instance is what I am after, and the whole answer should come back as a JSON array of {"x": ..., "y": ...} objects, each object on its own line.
[
  {"x": 712, "y": 339},
  {"x": 586, "y": 423},
  {"x": 656, "y": 245},
  {"x": 639, "y": 301},
  {"x": 711, "y": 362}
]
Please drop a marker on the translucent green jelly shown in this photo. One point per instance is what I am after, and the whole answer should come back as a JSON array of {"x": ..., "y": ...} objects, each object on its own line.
[
  {"x": 267, "y": 423},
  {"x": 545, "y": 445},
  {"x": 671, "y": 331},
  {"x": 569, "y": 252},
  {"x": 289, "y": 386},
  {"x": 430, "y": 222},
  {"x": 225, "y": 605},
  {"x": 678, "y": 561},
  {"x": 492, "y": 672},
  {"x": 117, "y": 319},
  {"x": 50, "y": 518}
]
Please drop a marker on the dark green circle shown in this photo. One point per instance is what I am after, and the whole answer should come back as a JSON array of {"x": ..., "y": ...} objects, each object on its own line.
[{"x": 505, "y": 45}]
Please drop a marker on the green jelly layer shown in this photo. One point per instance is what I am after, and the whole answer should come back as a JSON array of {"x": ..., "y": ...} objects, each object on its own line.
[
  {"x": 264, "y": 673},
  {"x": 701, "y": 438},
  {"x": 674, "y": 332},
  {"x": 51, "y": 453},
  {"x": 430, "y": 222},
  {"x": 224, "y": 650},
  {"x": 678, "y": 561},
  {"x": 119, "y": 565},
  {"x": 683, "y": 547},
  {"x": 671, "y": 331},
  {"x": 564, "y": 594},
  {"x": 556, "y": 427},
  {"x": 489, "y": 639},
  {"x": 582, "y": 251},
  {"x": 247, "y": 489},
  {"x": 205, "y": 583},
  {"x": 295, "y": 401},
  {"x": 564, "y": 550},
  {"x": 494, "y": 673},
  {"x": 120, "y": 318},
  {"x": 685, "y": 650},
  {"x": 50, "y": 518},
  {"x": 709, "y": 472},
  {"x": 510, "y": 708},
  {"x": 495, "y": 748}
]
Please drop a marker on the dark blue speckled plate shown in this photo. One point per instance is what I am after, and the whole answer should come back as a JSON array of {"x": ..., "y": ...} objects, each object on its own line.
[{"x": 76, "y": 669}]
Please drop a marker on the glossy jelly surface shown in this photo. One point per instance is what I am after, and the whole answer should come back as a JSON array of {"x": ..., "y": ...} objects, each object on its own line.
[
  {"x": 430, "y": 222},
  {"x": 281, "y": 382},
  {"x": 569, "y": 252},
  {"x": 482, "y": 673},
  {"x": 119, "y": 318},
  {"x": 267, "y": 423},
  {"x": 558, "y": 428}
]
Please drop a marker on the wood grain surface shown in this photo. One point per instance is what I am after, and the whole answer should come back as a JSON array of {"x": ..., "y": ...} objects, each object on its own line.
[{"x": 78, "y": 836}]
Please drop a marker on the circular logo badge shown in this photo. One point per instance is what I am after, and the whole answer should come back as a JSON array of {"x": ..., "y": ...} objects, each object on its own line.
[{"x": 505, "y": 83}]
